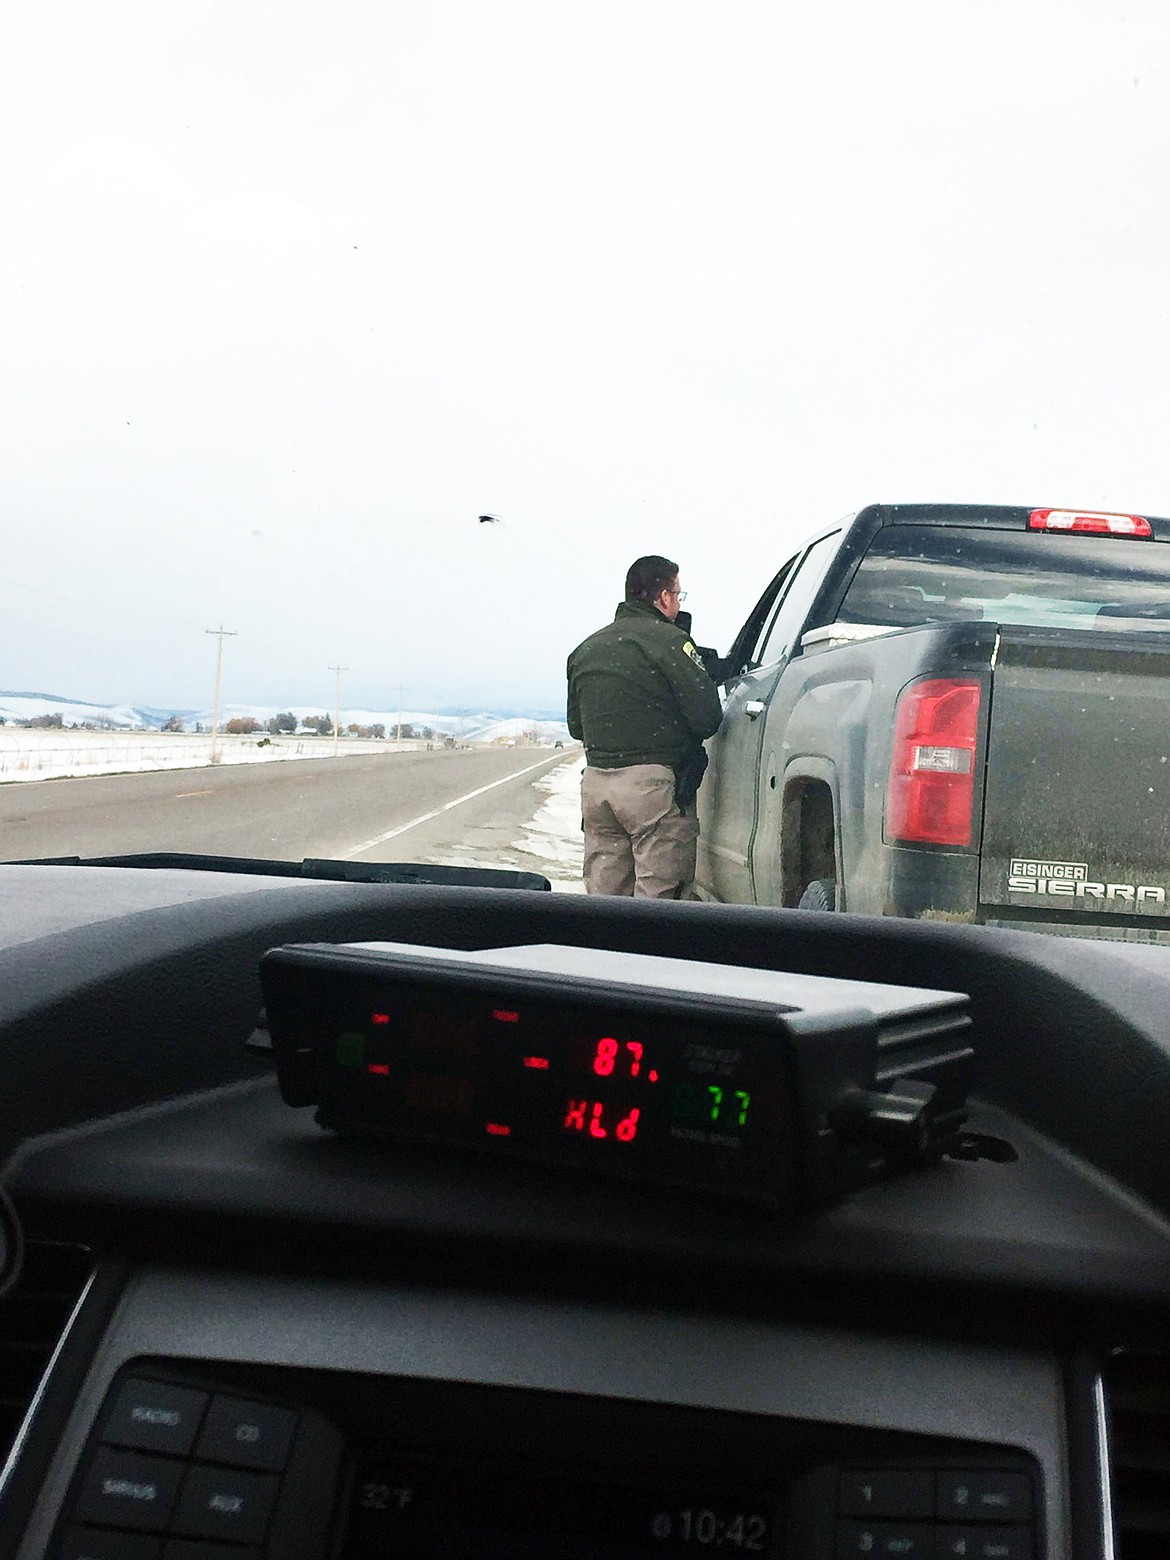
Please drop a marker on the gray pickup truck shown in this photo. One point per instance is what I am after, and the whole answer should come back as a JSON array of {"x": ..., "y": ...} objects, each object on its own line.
[{"x": 957, "y": 712}]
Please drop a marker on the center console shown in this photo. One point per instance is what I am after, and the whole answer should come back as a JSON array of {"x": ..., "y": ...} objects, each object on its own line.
[{"x": 234, "y": 1418}]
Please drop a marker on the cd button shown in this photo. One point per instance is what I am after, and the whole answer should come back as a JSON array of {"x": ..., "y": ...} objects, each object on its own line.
[
  {"x": 886, "y": 1492},
  {"x": 247, "y": 1435}
]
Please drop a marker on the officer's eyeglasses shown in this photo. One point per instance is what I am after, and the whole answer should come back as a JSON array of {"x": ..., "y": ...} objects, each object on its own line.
[{"x": 681, "y": 594}]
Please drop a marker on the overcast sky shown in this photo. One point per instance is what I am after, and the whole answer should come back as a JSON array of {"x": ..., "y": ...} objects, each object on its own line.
[{"x": 293, "y": 292}]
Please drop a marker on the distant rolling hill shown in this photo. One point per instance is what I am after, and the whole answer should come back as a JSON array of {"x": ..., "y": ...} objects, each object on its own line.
[{"x": 478, "y": 726}]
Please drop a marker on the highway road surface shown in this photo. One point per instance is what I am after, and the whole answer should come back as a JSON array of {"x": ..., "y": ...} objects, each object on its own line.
[{"x": 468, "y": 805}]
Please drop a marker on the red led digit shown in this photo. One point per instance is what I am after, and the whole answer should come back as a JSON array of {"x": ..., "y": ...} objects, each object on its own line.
[
  {"x": 505, "y": 1016},
  {"x": 627, "y": 1127},
  {"x": 603, "y": 1057},
  {"x": 498, "y": 1129},
  {"x": 538, "y": 1063},
  {"x": 634, "y": 1047},
  {"x": 595, "y": 1127},
  {"x": 575, "y": 1116},
  {"x": 379, "y": 1018}
]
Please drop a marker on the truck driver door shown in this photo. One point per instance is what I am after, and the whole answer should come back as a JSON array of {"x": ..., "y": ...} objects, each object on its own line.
[{"x": 729, "y": 796}]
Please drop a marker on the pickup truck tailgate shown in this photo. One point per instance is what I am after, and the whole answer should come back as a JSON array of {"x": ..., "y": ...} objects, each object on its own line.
[{"x": 1076, "y": 808}]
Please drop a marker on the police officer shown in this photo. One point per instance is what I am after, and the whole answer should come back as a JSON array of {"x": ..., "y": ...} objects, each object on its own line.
[{"x": 642, "y": 702}]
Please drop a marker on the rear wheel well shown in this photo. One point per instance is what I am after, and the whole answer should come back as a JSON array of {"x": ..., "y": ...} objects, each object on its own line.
[{"x": 808, "y": 838}]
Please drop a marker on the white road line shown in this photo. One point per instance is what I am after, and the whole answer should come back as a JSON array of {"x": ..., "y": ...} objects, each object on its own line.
[{"x": 380, "y": 839}]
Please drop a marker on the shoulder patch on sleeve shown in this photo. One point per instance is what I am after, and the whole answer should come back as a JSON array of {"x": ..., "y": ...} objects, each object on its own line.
[{"x": 689, "y": 649}]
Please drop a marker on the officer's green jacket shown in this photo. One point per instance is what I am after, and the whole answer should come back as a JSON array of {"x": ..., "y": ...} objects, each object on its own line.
[{"x": 638, "y": 692}]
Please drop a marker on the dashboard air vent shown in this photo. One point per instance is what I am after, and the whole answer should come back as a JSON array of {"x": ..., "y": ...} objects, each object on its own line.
[
  {"x": 1139, "y": 1402},
  {"x": 32, "y": 1319}
]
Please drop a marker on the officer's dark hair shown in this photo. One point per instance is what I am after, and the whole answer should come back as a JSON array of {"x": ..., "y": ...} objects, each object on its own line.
[{"x": 647, "y": 577}]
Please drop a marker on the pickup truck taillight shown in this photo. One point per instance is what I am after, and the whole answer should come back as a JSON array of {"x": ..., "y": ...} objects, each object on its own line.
[{"x": 931, "y": 794}]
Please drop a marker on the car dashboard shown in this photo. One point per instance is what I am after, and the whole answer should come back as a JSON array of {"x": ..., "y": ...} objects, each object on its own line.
[{"x": 282, "y": 1342}]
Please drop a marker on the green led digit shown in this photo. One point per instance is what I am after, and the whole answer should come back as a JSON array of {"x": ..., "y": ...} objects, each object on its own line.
[
  {"x": 716, "y": 1094},
  {"x": 745, "y": 1100}
]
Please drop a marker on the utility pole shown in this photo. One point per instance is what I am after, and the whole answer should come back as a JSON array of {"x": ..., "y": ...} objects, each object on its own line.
[
  {"x": 222, "y": 633},
  {"x": 402, "y": 688},
  {"x": 337, "y": 670}
]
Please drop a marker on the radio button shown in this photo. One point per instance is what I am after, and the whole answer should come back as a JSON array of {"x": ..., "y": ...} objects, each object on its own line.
[
  {"x": 153, "y": 1416},
  {"x": 886, "y": 1492}
]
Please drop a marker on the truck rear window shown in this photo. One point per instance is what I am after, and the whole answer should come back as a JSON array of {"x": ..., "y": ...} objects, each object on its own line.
[{"x": 923, "y": 574}]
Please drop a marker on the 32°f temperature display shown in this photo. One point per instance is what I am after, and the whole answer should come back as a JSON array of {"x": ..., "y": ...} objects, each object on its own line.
[{"x": 649, "y": 1096}]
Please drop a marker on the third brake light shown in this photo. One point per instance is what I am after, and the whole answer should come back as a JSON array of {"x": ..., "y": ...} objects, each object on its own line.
[{"x": 1088, "y": 521}]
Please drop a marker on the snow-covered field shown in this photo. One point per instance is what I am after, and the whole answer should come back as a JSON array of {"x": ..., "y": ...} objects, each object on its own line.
[
  {"x": 464, "y": 726},
  {"x": 54, "y": 754},
  {"x": 131, "y": 739}
]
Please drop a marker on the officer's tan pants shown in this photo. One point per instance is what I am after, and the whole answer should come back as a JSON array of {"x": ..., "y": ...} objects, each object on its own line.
[{"x": 637, "y": 841}]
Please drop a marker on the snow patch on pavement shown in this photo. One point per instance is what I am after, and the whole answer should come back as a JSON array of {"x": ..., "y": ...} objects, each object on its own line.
[
  {"x": 551, "y": 842},
  {"x": 554, "y": 832}
]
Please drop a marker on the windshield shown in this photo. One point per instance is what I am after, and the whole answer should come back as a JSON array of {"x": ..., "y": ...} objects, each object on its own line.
[
  {"x": 360, "y": 362},
  {"x": 921, "y": 574}
]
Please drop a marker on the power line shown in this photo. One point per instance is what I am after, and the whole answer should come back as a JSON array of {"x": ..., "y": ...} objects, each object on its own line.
[
  {"x": 221, "y": 633},
  {"x": 337, "y": 705},
  {"x": 402, "y": 688}
]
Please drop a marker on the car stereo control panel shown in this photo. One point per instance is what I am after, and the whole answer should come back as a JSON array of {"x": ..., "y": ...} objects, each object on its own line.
[
  {"x": 227, "y": 1462},
  {"x": 176, "y": 1466}
]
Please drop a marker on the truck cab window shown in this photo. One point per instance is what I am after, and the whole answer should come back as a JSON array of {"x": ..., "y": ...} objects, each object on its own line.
[
  {"x": 923, "y": 574},
  {"x": 745, "y": 650},
  {"x": 790, "y": 615}
]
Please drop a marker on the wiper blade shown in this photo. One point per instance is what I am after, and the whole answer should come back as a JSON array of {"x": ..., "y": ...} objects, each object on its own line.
[{"x": 318, "y": 868}]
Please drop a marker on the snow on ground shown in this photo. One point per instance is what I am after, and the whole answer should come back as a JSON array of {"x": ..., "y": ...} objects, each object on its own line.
[
  {"x": 495, "y": 728},
  {"x": 74, "y": 712},
  {"x": 55, "y": 754},
  {"x": 553, "y": 834},
  {"x": 550, "y": 841},
  {"x": 465, "y": 726}
]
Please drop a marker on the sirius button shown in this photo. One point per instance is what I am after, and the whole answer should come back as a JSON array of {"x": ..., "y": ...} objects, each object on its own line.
[{"x": 129, "y": 1491}]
